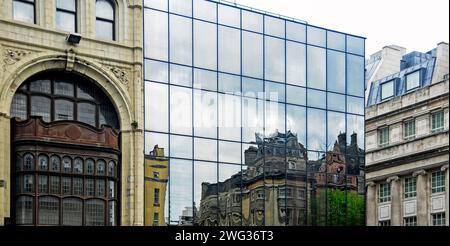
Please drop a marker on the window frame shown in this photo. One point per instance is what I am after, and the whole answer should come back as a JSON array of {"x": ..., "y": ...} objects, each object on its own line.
[
  {"x": 74, "y": 13},
  {"x": 408, "y": 184},
  {"x": 438, "y": 217},
  {"x": 407, "y": 128},
  {"x": 441, "y": 120},
  {"x": 393, "y": 89},
  {"x": 380, "y": 131},
  {"x": 34, "y": 10},
  {"x": 384, "y": 195},
  {"x": 113, "y": 21},
  {"x": 406, "y": 80},
  {"x": 410, "y": 221},
  {"x": 437, "y": 185}
]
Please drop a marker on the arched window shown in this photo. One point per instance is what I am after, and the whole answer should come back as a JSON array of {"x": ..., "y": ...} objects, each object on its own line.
[
  {"x": 67, "y": 164},
  {"x": 23, "y": 10},
  {"x": 90, "y": 166},
  {"x": 111, "y": 169},
  {"x": 72, "y": 211},
  {"x": 78, "y": 165},
  {"x": 105, "y": 19},
  {"x": 66, "y": 15},
  {"x": 94, "y": 211},
  {"x": 100, "y": 167},
  {"x": 55, "y": 164},
  {"x": 48, "y": 210},
  {"x": 28, "y": 162},
  {"x": 43, "y": 163},
  {"x": 24, "y": 210}
]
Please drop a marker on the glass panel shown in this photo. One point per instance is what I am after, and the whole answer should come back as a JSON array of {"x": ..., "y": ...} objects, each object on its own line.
[
  {"x": 181, "y": 211},
  {"x": 229, "y": 50},
  {"x": 101, "y": 167},
  {"x": 336, "y": 129},
  {"x": 355, "y": 45},
  {"x": 67, "y": 4},
  {"x": 55, "y": 164},
  {"x": 252, "y": 54},
  {"x": 275, "y": 92},
  {"x": 28, "y": 183},
  {"x": 180, "y": 110},
  {"x": 28, "y": 162},
  {"x": 112, "y": 189},
  {"x": 274, "y": 118},
  {"x": 412, "y": 80},
  {"x": 335, "y": 71},
  {"x": 295, "y": 63},
  {"x": 316, "y": 129},
  {"x": 295, "y": 31},
  {"x": 156, "y": 71},
  {"x": 107, "y": 116},
  {"x": 24, "y": 210},
  {"x": 296, "y": 95},
  {"x": 355, "y": 105},
  {"x": 104, "y": 30},
  {"x": 86, "y": 91},
  {"x": 87, "y": 113},
  {"x": 252, "y": 21},
  {"x": 156, "y": 34},
  {"x": 387, "y": 89},
  {"x": 181, "y": 147},
  {"x": 336, "y": 102},
  {"x": 40, "y": 106},
  {"x": 252, "y": 118},
  {"x": 89, "y": 166},
  {"x": 182, "y": 7},
  {"x": 63, "y": 110},
  {"x": 101, "y": 188},
  {"x": 204, "y": 79},
  {"x": 55, "y": 187},
  {"x": 205, "y": 149},
  {"x": 355, "y": 75},
  {"x": 336, "y": 40},
  {"x": 67, "y": 164},
  {"x": 252, "y": 88},
  {"x": 63, "y": 88},
  {"x": 274, "y": 26},
  {"x": 180, "y": 75},
  {"x": 316, "y": 36},
  {"x": 230, "y": 117},
  {"x": 205, "y": 10},
  {"x": 316, "y": 68},
  {"x": 77, "y": 186},
  {"x": 72, "y": 212},
  {"x": 156, "y": 4},
  {"x": 355, "y": 124},
  {"x": 112, "y": 213},
  {"x": 43, "y": 184},
  {"x": 89, "y": 187},
  {"x": 104, "y": 9},
  {"x": 316, "y": 99},
  {"x": 40, "y": 85},
  {"x": 274, "y": 59},
  {"x": 66, "y": 186},
  {"x": 23, "y": 11},
  {"x": 111, "y": 169},
  {"x": 205, "y": 114},
  {"x": 180, "y": 40},
  {"x": 156, "y": 107},
  {"x": 48, "y": 211},
  {"x": 94, "y": 212},
  {"x": 78, "y": 165},
  {"x": 43, "y": 163},
  {"x": 66, "y": 21},
  {"x": 19, "y": 106},
  {"x": 205, "y": 193},
  {"x": 155, "y": 139},
  {"x": 296, "y": 122},
  {"x": 205, "y": 45},
  {"x": 229, "y": 16},
  {"x": 229, "y": 152},
  {"x": 229, "y": 83}
]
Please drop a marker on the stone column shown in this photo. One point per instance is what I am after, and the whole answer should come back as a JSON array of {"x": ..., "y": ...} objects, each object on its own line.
[
  {"x": 396, "y": 199},
  {"x": 422, "y": 198},
  {"x": 445, "y": 169},
  {"x": 371, "y": 204}
]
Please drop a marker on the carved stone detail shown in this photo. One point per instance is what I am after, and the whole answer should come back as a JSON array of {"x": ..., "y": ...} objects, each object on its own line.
[
  {"x": 71, "y": 57},
  {"x": 12, "y": 56},
  {"x": 120, "y": 74}
]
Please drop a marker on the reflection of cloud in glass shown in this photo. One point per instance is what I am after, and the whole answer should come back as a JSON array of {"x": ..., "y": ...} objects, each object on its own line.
[
  {"x": 317, "y": 129},
  {"x": 226, "y": 171},
  {"x": 296, "y": 122},
  {"x": 336, "y": 125},
  {"x": 180, "y": 110},
  {"x": 203, "y": 172},
  {"x": 180, "y": 180},
  {"x": 152, "y": 139},
  {"x": 205, "y": 149},
  {"x": 229, "y": 152}
]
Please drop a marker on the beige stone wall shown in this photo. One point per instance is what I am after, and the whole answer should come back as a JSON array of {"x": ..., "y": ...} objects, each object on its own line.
[{"x": 116, "y": 66}]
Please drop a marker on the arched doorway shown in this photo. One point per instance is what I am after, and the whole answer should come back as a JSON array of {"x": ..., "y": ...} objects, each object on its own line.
[{"x": 65, "y": 152}]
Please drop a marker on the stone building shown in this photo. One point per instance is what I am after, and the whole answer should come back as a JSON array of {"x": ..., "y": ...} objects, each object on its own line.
[
  {"x": 88, "y": 97},
  {"x": 407, "y": 142}
]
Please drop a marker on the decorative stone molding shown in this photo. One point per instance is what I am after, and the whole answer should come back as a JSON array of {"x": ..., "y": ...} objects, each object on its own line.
[
  {"x": 444, "y": 168},
  {"x": 419, "y": 173},
  {"x": 370, "y": 184},
  {"x": 12, "y": 56},
  {"x": 120, "y": 74},
  {"x": 71, "y": 57},
  {"x": 392, "y": 179}
]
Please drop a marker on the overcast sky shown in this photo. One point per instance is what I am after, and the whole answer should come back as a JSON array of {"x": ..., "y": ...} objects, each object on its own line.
[{"x": 414, "y": 24}]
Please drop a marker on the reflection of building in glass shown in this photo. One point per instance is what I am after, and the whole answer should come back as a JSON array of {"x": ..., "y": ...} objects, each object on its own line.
[
  {"x": 277, "y": 189},
  {"x": 407, "y": 128},
  {"x": 155, "y": 180}
]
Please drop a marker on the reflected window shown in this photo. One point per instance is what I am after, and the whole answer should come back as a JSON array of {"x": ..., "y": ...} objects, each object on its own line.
[
  {"x": 105, "y": 19},
  {"x": 28, "y": 162},
  {"x": 43, "y": 184},
  {"x": 48, "y": 211},
  {"x": 72, "y": 209},
  {"x": 55, "y": 164},
  {"x": 90, "y": 166},
  {"x": 24, "y": 10},
  {"x": 111, "y": 169},
  {"x": 94, "y": 212},
  {"x": 67, "y": 164},
  {"x": 66, "y": 15},
  {"x": 101, "y": 167},
  {"x": 78, "y": 165}
]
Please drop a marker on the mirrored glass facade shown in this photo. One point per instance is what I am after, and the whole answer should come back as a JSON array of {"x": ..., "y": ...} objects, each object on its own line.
[{"x": 259, "y": 120}]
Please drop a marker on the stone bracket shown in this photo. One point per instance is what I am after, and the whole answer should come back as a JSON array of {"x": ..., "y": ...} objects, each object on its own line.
[{"x": 70, "y": 61}]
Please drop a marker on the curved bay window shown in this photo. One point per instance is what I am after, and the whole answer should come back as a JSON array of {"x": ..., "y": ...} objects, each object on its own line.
[
  {"x": 105, "y": 19},
  {"x": 67, "y": 171}
]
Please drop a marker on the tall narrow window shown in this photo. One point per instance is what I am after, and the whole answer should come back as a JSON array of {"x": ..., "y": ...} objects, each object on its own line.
[
  {"x": 437, "y": 121},
  {"x": 437, "y": 182},
  {"x": 156, "y": 199},
  {"x": 23, "y": 10},
  {"x": 383, "y": 137},
  {"x": 66, "y": 15},
  {"x": 384, "y": 194},
  {"x": 409, "y": 129},
  {"x": 105, "y": 21}
]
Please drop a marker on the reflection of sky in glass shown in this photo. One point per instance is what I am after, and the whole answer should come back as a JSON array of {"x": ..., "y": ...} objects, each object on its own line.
[
  {"x": 180, "y": 187},
  {"x": 204, "y": 172},
  {"x": 316, "y": 129},
  {"x": 336, "y": 125},
  {"x": 229, "y": 152},
  {"x": 226, "y": 171}
]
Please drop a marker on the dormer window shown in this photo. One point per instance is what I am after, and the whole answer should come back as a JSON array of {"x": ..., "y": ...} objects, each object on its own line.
[
  {"x": 412, "y": 80},
  {"x": 387, "y": 90}
]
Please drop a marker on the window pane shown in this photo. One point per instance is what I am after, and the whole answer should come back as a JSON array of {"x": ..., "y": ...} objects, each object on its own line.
[
  {"x": 67, "y": 165},
  {"x": 78, "y": 165},
  {"x": 205, "y": 149},
  {"x": 274, "y": 26},
  {"x": 87, "y": 113},
  {"x": 355, "y": 73},
  {"x": 86, "y": 92},
  {"x": 413, "y": 80},
  {"x": 180, "y": 110},
  {"x": 336, "y": 127},
  {"x": 355, "y": 125},
  {"x": 316, "y": 129},
  {"x": 336, "y": 102},
  {"x": 182, "y": 7},
  {"x": 296, "y": 63},
  {"x": 316, "y": 99},
  {"x": 24, "y": 210},
  {"x": 67, "y": 4},
  {"x": 156, "y": 4},
  {"x": 229, "y": 16},
  {"x": 153, "y": 139},
  {"x": 28, "y": 184},
  {"x": 89, "y": 166},
  {"x": 335, "y": 71},
  {"x": 252, "y": 88},
  {"x": 94, "y": 212},
  {"x": 336, "y": 40},
  {"x": 230, "y": 152},
  {"x": 274, "y": 118},
  {"x": 156, "y": 71},
  {"x": 229, "y": 117},
  {"x": 107, "y": 116},
  {"x": 204, "y": 79},
  {"x": 41, "y": 85},
  {"x": 205, "y": 173},
  {"x": 316, "y": 36},
  {"x": 19, "y": 106},
  {"x": 23, "y": 11},
  {"x": 103, "y": 9},
  {"x": 229, "y": 83},
  {"x": 274, "y": 59},
  {"x": 229, "y": 50},
  {"x": 43, "y": 163},
  {"x": 355, "y": 45},
  {"x": 43, "y": 184},
  {"x": 205, "y": 114},
  {"x": 66, "y": 186},
  {"x": 295, "y": 31},
  {"x": 387, "y": 90},
  {"x": 156, "y": 107},
  {"x": 296, "y": 95},
  {"x": 252, "y": 54},
  {"x": 355, "y": 105},
  {"x": 296, "y": 122},
  {"x": 55, "y": 164},
  {"x": 252, "y": 21},
  {"x": 316, "y": 67},
  {"x": 40, "y": 106},
  {"x": 77, "y": 186},
  {"x": 66, "y": 21},
  {"x": 72, "y": 212},
  {"x": 63, "y": 110},
  {"x": 156, "y": 34},
  {"x": 275, "y": 92},
  {"x": 180, "y": 191},
  {"x": 48, "y": 211},
  {"x": 63, "y": 88},
  {"x": 180, "y": 40},
  {"x": 205, "y": 45},
  {"x": 252, "y": 118},
  {"x": 104, "y": 30},
  {"x": 181, "y": 147},
  {"x": 180, "y": 75},
  {"x": 205, "y": 10}
]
